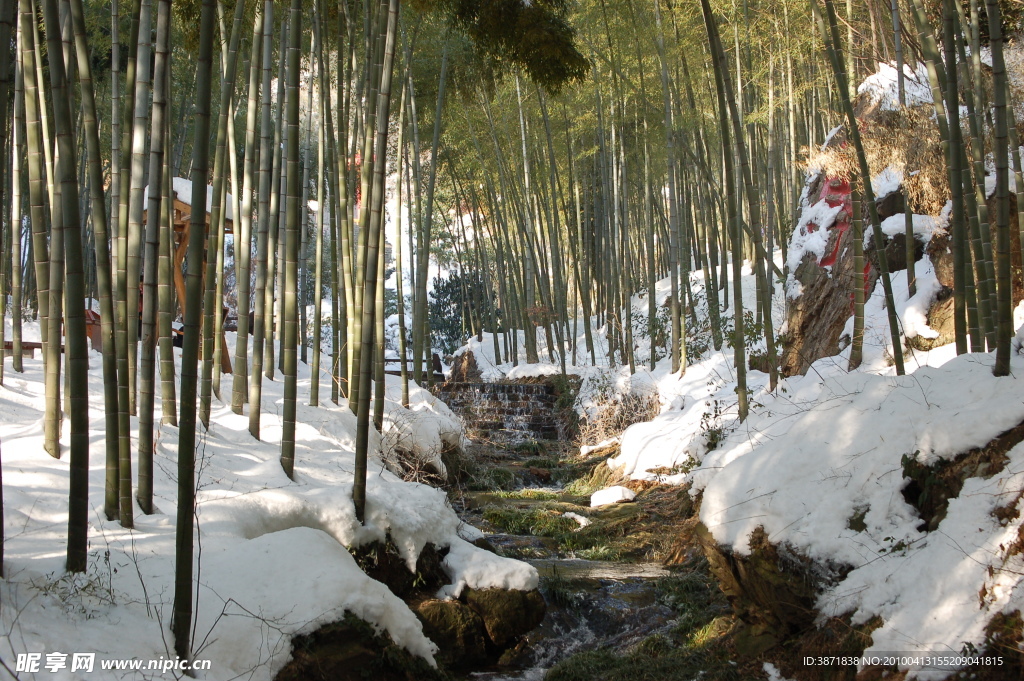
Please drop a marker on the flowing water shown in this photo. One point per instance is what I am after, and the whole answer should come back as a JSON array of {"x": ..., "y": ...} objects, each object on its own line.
[
  {"x": 503, "y": 413},
  {"x": 591, "y": 605},
  {"x": 606, "y": 603}
]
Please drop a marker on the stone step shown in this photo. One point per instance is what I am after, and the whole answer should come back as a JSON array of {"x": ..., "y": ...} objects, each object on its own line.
[
  {"x": 521, "y": 408},
  {"x": 504, "y": 412},
  {"x": 467, "y": 398}
]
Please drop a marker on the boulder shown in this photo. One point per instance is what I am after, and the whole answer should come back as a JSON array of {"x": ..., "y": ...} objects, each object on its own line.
[
  {"x": 611, "y": 495},
  {"x": 465, "y": 369},
  {"x": 507, "y": 614},
  {"x": 816, "y": 317},
  {"x": 351, "y": 650},
  {"x": 457, "y": 630},
  {"x": 772, "y": 590}
]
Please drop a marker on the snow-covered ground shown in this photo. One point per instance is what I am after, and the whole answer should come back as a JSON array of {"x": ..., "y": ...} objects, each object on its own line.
[
  {"x": 827, "y": 448},
  {"x": 271, "y": 559}
]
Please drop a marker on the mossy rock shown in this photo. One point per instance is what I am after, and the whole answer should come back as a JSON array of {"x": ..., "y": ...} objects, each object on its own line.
[
  {"x": 457, "y": 630},
  {"x": 753, "y": 640},
  {"x": 932, "y": 485},
  {"x": 507, "y": 614},
  {"x": 350, "y": 650},
  {"x": 770, "y": 589},
  {"x": 383, "y": 563}
]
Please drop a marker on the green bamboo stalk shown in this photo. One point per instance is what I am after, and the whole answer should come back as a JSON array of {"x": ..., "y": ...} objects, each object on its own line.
[
  {"x": 181, "y": 619},
  {"x": 389, "y": 11},
  {"x": 859, "y": 280},
  {"x": 403, "y": 350},
  {"x": 267, "y": 156},
  {"x": 212, "y": 304},
  {"x": 165, "y": 288},
  {"x": 147, "y": 365},
  {"x": 732, "y": 201},
  {"x": 421, "y": 346},
  {"x": 303, "y": 260},
  {"x": 71, "y": 252},
  {"x": 15, "y": 226},
  {"x": 36, "y": 173},
  {"x": 1011, "y": 125},
  {"x": 272, "y": 321},
  {"x": 291, "y": 241},
  {"x": 103, "y": 272},
  {"x": 1003, "y": 311},
  {"x": 243, "y": 222},
  {"x": 318, "y": 273}
]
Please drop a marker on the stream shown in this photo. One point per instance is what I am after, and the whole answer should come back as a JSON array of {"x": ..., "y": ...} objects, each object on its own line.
[{"x": 608, "y": 603}]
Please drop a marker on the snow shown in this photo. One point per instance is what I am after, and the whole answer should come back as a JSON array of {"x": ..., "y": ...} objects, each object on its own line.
[
  {"x": 611, "y": 495},
  {"x": 585, "y": 450},
  {"x": 886, "y": 182},
  {"x": 773, "y": 673},
  {"x": 810, "y": 237},
  {"x": 580, "y": 520},
  {"x": 271, "y": 553},
  {"x": 990, "y": 177},
  {"x": 532, "y": 371},
  {"x": 831, "y": 134},
  {"x": 882, "y": 87},
  {"x": 924, "y": 227},
  {"x": 183, "y": 192},
  {"x": 828, "y": 447}
]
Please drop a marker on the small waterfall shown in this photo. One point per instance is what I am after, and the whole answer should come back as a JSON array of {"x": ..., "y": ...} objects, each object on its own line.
[{"x": 505, "y": 413}]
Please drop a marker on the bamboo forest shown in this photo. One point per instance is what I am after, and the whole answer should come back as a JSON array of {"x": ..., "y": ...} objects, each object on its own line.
[{"x": 511, "y": 340}]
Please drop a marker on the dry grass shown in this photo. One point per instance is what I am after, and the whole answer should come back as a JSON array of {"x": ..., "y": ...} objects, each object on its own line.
[
  {"x": 616, "y": 416},
  {"x": 906, "y": 140}
]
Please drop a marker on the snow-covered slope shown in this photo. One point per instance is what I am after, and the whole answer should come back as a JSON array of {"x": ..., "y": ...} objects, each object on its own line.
[
  {"x": 271, "y": 560},
  {"x": 829, "y": 447}
]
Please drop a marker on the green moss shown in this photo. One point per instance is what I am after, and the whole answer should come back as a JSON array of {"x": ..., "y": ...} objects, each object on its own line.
[
  {"x": 542, "y": 462},
  {"x": 538, "y": 522},
  {"x": 599, "y": 552},
  {"x": 657, "y": 660},
  {"x": 538, "y": 494},
  {"x": 493, "y": 479},
  {"x": 529, "y": 447}
]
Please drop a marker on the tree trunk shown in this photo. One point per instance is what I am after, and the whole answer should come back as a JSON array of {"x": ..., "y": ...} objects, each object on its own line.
[{"x": 147, "y": 365}]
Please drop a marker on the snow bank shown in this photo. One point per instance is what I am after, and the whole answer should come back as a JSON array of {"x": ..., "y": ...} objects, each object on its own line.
[
  {"x": 828, "y": 447},
  {"x": 882, "y": 87},
  {"x": 424, "y": 429},
  {"x": 804, "y": 477},
  {"x": 886, "y": 182},
  {"x": 532, "y": 371},
  {"x": 271, "y": 558},
  {"x": 924, "y": 227}
]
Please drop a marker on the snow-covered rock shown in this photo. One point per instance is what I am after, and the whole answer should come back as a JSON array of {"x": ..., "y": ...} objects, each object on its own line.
[{"x": 611, "y": 495}]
